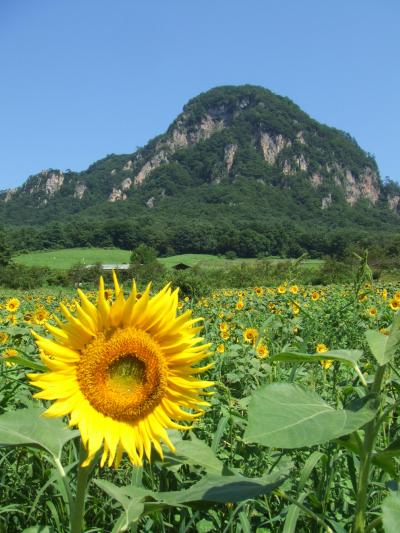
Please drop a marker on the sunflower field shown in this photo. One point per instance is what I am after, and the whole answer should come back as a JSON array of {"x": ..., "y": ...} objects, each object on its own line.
[{"x": 264, "y": 409}]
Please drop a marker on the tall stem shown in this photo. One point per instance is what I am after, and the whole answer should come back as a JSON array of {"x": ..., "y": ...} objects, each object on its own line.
[
  {"x": 371, "y": 430},
  {"x": 78, "y": 507}
]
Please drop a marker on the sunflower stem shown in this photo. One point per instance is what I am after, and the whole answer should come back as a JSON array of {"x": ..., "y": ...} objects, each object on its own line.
[{"x": 78, "y": 507}]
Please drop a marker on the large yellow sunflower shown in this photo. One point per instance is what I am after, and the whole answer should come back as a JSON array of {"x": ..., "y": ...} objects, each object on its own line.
[{"x": 123, "y": 372}]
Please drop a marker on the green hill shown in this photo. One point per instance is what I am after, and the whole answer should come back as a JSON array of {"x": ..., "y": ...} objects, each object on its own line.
[{"x": 240, "y": 169}]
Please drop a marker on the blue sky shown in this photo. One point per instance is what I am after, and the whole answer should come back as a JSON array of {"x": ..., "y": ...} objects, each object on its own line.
[{"x": 84, "y": 78}]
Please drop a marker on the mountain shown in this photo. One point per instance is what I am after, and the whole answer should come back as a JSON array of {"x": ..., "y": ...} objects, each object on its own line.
[{"x": 239, "y": 169}]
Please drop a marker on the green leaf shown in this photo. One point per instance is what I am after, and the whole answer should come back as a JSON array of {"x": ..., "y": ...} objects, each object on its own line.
[
  {"x": 133, "y": 506},
  {"x": 195, "y": 452},
  {"x": 294, "y": 510},
  {"x": 27, "y": 363},
  {"x": 284, "y": 415},
  {"x": 224, "y": 489},
  {"x": 383, "y": 347},
  {"x": 391, "y": 513},
  {"x": 38, "y": 529},
  {"x": 137, "y": 501},
  {"x": 349, "y": 357},
  {"x": 27, "y": 427}
]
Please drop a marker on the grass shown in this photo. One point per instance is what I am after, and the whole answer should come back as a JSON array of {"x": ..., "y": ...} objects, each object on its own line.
[{"x": 66, "y": 258}]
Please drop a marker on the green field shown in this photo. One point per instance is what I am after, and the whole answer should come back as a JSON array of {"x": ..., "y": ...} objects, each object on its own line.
[{"x": 66, "y": 258}]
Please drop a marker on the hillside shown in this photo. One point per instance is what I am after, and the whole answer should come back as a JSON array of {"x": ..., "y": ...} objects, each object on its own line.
[{"x": 239, "y": 169}]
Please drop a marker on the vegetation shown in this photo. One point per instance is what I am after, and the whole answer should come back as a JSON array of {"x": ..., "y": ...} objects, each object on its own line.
[{"x": 301, "y": 434}]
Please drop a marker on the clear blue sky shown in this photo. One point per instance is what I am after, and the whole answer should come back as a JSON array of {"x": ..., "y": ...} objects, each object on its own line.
[{"x": 84, "y": 78}]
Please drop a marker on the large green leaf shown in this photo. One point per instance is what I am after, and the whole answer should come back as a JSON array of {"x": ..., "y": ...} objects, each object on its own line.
[
  {"x": 195, "y": 452},
  {"x": 213, "y": 488},
  {"x": 27, "y": 427},
  {"x": 284, "y": 415},
  {"x": 383, "y": 347},
  {"x": 347, "y": 357},
  {"x": 224, "y": 489},
  {"x": 391, "y": 513}
]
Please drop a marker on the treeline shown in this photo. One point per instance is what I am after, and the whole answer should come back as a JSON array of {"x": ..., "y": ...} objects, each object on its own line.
[{"x": 255, "y": 240}]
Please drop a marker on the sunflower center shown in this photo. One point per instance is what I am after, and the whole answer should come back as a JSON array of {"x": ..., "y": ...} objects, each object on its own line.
[
  {"x": 123, "y": 375},
  {"x": 126, "y": 373}
]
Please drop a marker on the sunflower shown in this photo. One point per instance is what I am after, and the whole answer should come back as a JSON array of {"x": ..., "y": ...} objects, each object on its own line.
[
  {"x": 41, "y": 315},
  {"x": 259, "y": 291},
  {"x": 124, "y": 371},
  {"x": 321, "y": 348},
  {"x": 250, "y": 335},
  {"x": 394, "y": 304},
  {"x": 12, "y": 305},
  {"x": 294, "y": 289},
  {"x": 314, "y": 296},
  {"x": 239, "y": 305},
  {"x": 295, "y": 308},
  {"x": 3, "y": 337},
  {"x": 262, "y": 351},
  {"x": 9, "y": 352},
  {"x": 220, "y": 348},
  {"x": 281, "y": 289},
  {"x": 325, "y": 363}
]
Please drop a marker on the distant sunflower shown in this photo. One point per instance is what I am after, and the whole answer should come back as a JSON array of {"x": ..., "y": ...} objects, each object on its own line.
[
  {"x": 12, "y": 305},
  {"x": 239, "y": 305},
  {"x": 250, "y": 335},
  {"x": 394, "y": 304},
  {"x": 314, "y": 296},
  {"x": 325, "y": 363},
  {"x": 262, "y": 351},
  {"x": 124, "y": 372}
]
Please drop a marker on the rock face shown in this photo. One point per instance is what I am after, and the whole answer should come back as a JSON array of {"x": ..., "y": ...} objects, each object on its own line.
[
  {"x": 9, "y": 194},
  {"x": 271, "y": 146},
  {"x": 116, "y": 194},
  {"x": 229, "y": 156},
  {"x": 79, "y": 191},
  {"x": 366, "y": 185},
  {"x": 47, "y": 182},
  {"x": 393, "y": 202}
]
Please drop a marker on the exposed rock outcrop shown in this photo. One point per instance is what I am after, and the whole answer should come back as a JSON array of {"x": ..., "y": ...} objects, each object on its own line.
[
  {"x": 271, "y": 146},
  {"x": 128, "y": 166},
  {"x": 393, "y": 202},
  {"x": 79, "y": 191},
  {"x": 316, "y": 179},
  {"x": 326, "y": 201},
  {"x": 229, "y": 156},
  {"x": 9, "y": 194},
  {"x": 116, "y": 195}
]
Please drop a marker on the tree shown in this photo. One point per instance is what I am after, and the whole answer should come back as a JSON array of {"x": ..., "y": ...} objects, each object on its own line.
[
  {"x": 5, "y": 254},
  {"x": 143, "y": 255},
  {"x": 144, "y": 264}
]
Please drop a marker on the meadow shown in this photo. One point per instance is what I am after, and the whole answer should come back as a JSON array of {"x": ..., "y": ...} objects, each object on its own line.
[
  {"x": 300, "y": 435},
  {"x": 64, "y": 259}
]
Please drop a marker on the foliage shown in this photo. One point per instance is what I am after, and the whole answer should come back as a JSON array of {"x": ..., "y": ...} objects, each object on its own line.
[{"x": 257, "y": 459}]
